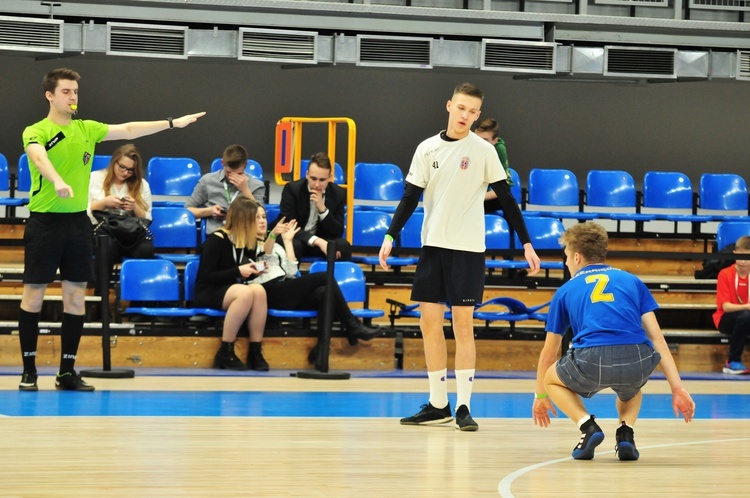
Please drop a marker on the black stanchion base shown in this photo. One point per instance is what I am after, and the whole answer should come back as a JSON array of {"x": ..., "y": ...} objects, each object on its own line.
[
  {"x": 115, "y": 373},
  {"x": 317, "y": 374}
]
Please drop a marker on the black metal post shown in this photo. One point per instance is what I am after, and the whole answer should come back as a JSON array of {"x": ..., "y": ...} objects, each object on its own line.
[
  {"x": 102, "y": 261},
  {"x": 326, "y": 323}
]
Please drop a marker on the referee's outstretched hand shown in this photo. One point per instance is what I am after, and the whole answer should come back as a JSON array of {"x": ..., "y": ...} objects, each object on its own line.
[{"x": 385, "y": 251}]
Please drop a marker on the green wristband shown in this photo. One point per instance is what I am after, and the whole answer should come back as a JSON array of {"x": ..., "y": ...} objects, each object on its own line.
[
  {"x": 540, "y": 396},
  {"x": 389, "y": 237},
  {"x": 272, "y": 235}
]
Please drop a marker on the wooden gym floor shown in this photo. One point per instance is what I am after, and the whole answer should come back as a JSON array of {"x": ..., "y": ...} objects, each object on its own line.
[{"x": 194, "y": 433}]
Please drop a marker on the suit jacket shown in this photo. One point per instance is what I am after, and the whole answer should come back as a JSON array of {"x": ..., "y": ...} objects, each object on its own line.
[{"x": 295, "y": 205}]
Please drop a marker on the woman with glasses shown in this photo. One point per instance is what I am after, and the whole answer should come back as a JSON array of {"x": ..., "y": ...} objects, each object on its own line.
[{"x": 121, "y": 186}]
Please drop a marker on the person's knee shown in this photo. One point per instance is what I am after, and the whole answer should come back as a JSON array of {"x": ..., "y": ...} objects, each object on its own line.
[
  {"x": 551, "y": 378},
  {"x": 743, "y": 320}
]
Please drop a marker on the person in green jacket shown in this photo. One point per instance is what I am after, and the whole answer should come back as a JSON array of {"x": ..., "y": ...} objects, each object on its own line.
[{"x": 488, "y": 129}]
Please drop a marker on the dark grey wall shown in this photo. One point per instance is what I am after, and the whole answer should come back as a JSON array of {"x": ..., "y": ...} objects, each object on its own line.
[{"x": 689, "y": 127}]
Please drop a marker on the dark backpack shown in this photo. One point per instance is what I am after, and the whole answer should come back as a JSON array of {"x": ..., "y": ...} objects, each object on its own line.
[{"x": 712, "y": 267}]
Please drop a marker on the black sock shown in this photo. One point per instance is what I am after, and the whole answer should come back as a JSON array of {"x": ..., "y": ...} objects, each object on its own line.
[
  {"x": 70, "y": 336},
  {"x": 28, "y": 333}
]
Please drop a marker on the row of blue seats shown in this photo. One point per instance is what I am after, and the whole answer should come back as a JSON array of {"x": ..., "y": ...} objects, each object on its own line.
[
  {"x": 153, "y": 282},
  {"x": 157, "y": 286}
]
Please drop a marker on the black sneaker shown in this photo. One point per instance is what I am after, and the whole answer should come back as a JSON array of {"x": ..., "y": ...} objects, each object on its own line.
[
  {"x": 71, "y": 381},
  {"x": 28, "y": 382},
  {"x": 625, "y": 448},
  {"x": 224, "y": 361},
  {"x": 464, "y": 422},
  {"x": 591, "y": 437},
  {"x": 429, "y": 415}
]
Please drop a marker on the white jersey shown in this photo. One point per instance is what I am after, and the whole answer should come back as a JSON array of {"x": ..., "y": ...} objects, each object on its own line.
[{"x": 455, "y": 175}]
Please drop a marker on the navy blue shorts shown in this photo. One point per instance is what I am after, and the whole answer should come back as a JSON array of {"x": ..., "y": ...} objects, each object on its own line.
[
  {"x": 447, "y": 275},
  {"x": 53, "y": 241},
  {"x": 624, "y": 368}
]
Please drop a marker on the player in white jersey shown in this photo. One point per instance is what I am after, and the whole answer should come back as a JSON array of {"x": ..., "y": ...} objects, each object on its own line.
[{"x": 453, "y": 169}]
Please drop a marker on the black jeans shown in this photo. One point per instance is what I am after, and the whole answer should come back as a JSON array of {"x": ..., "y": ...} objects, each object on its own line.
[{"x": 737, "y": 326}]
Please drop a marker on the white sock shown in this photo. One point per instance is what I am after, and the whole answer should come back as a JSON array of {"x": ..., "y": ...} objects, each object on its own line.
[
  {"x": 438, "y": 388},
  {"x": 583, "y": 420},
  {"x": 464, "y": 385},
  {"x": 622, "y": 422}
]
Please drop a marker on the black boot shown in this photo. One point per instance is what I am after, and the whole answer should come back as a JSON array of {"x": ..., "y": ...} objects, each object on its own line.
[
  {"x": 225, "y": 358},
  {"x": 356, "y": 330},
  {"x": 255, "y": 358}
]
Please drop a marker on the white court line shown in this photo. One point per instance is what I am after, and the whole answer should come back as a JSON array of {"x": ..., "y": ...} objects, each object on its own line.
[{"x": 504, "y": 486}]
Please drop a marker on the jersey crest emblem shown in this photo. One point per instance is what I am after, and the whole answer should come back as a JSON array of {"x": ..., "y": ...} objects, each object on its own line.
[
  {"x": 86, "y": 157},
  {"x": 464, "y": 162}
]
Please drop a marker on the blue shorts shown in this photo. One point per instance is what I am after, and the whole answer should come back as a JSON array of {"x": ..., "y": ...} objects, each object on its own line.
[{"x": 624, "y": 368}]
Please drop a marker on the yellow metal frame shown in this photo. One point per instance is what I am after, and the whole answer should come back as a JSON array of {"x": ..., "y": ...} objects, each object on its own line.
[{"x": 332, "y": 123}]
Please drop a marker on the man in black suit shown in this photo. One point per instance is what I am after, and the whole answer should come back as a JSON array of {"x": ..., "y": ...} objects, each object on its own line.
[{"x": 318, "y": 206}]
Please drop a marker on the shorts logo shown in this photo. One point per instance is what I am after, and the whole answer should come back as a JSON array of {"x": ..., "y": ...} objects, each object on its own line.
[
  {"x": 464, "y": 162},
  {"x": 86, "y": 157}
]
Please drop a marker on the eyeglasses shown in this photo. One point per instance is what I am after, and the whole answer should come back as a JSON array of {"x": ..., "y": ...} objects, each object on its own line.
[{"x": 124, "y": 169}]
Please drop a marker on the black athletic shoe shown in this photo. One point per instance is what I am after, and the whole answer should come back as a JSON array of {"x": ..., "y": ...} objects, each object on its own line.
[
  {"x": 71, "y": 381},
  {"x": 464, "y": 422},
  {"x": 591, "y": 437},
  {"x": 625, "y": 448},
  {"x": 429, "y": 415},
  {"x": 28, "y": 382}
]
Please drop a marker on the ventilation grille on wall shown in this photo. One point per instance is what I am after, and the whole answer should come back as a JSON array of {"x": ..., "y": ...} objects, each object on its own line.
[
  {"x": 394, "y": 51},
  {"x": 720, "y": 4},
  {"x": 31, "y": 35},
  {"x": 743, "y": 65},
  {"x": 145, "y": 40},
  {"x": 278, "y": 46},
  {"x": 639, "y": 61},
  {"x": 650, "y": 3},
  {"x": 518, "y": 56}
]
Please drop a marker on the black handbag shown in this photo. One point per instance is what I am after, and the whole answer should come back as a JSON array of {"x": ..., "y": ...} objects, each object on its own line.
[{"x": 126, "y": 229}]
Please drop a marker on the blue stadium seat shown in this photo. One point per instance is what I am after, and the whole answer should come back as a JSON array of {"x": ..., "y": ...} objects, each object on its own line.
[
  {"x": 151, "y": 280},
  {"x": 378, "y": 182},
  {"x": 10, "y": 203},
  {"x": 253, "y": 168},
  {"x": 189, "y": 276},
  {"x": 669, "y": 196},
  {"x": 172, "y": 176},
  {"x": 174, "y": 228},
  {"x": 723, "y": 192},
  {"x": 411, "y": 234},
  {"x": 24, "y": 175},
  {"x": 612, "y": 195},
  {"x": 510, "y": 310},
  {"x": 729, "y": 231},
  {"x": 100, "y": 162},
  {"x": 555, "y": 192},
  {"x": 516, "y": 189},
  {"x": 351, "y": 280},
  {"x": 369, "y": 229}
]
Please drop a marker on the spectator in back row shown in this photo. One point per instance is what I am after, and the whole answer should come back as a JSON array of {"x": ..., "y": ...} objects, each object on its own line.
[
  {"x": 487, "y": 129},
  {"x": 216, "y": 190},
  {"x": 732, "y": 316},
  {"x": 121, "y": 186},
  {"x": 317, "y": 204}
]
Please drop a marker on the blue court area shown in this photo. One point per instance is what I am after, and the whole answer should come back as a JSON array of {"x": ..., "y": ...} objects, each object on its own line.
[{"x": 322, "y": 404}]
